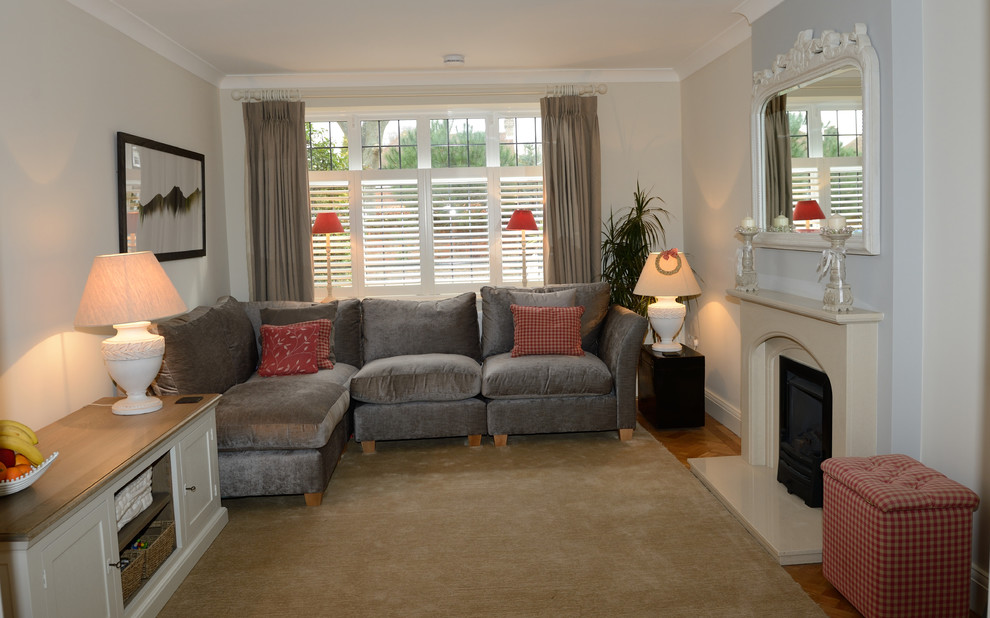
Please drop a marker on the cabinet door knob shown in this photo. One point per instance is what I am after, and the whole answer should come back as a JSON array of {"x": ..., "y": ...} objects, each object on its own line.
[{"x": 191, "y": 488}]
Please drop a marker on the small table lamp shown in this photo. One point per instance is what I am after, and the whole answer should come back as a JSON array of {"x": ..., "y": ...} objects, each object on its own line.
[
  {"x": 328, "y": 223},
  {"x": 127, "y": 290},
  {"x": 807, "y": 210},
  {"x": 667, "y": 275},
  {"x": 522, "y": 220}
]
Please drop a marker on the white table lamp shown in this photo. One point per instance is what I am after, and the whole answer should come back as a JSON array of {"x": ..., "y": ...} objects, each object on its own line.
[
  {"x": 127, "y": 290},
  {"x": 667, "y": 276}
]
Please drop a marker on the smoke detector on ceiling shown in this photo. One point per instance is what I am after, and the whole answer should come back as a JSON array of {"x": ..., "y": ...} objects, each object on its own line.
[{"x": 453, "y": 59}]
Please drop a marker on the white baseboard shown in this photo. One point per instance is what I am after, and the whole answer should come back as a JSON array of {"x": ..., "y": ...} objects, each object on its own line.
[
  {"x": 978, "y": 591},
  {"x": 723, "y": 412}
]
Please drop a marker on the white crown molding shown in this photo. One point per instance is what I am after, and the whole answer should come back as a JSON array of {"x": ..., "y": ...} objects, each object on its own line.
[
  {"x": 132, "y": 26},
  {"x": 755, "y": 9},
  {"x": 449, "y": 77},
  {"x": 723, "y": 42}
]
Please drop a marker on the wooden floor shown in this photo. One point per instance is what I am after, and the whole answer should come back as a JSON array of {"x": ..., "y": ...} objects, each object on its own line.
[{"x": 713, "y": 440}]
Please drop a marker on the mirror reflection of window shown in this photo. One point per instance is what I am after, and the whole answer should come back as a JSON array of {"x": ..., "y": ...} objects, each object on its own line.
[{"x": 826, "y": 138}]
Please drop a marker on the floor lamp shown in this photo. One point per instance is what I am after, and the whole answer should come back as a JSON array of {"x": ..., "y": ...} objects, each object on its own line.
[
  {"x": 328, "y": 223},
  {"x": 522, "y": 220}
]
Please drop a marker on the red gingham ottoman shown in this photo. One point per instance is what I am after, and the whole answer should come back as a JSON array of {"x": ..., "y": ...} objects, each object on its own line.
[{"x": 897, "y": 536}]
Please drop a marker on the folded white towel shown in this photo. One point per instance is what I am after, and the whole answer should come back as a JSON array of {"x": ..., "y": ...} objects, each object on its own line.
[{"x": 133, "y": 498}]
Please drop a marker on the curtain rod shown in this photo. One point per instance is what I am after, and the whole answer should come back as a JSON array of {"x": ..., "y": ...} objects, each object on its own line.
[{"x": 296, "y": 94}]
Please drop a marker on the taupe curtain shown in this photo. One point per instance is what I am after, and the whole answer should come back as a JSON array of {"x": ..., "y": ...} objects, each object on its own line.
[
  {"x": 777, "y": 136},
  {"x": 572, "y": 212},
  {"x": 277, "y": 194}
]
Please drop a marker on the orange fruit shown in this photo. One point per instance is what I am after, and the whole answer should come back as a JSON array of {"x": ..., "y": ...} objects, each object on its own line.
[
  {"x": 3, "y": 470},
  {"x": 20, "y": 459},
  {"x": 12, "y": 473}
]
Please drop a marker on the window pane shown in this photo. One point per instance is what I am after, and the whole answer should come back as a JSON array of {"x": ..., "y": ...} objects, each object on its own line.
[
  {"x": 455, "y": 140},
  {"x": 326, "y": 145},
  {"x": 520, "y": 141},
  {"x": 390, "y": 217},
  {"x": 460, "y": 231},
  {"x": 388, "y": 144}
]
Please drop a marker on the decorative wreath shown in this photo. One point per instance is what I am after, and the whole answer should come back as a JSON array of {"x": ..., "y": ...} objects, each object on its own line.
[{"x": 665, "y": 255}]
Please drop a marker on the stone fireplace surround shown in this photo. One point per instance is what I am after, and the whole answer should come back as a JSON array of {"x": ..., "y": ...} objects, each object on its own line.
[{"x": 844, "y": 347}]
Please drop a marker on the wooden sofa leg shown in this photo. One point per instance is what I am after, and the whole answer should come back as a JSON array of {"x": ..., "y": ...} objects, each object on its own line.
[
  {"x": 501, "y": 439},
  {"x": 313, "y": 499},
  {"x": 368, "y": 447},
  {"x": 474, "y": 439},
  {"x": 625, "y": 434}
]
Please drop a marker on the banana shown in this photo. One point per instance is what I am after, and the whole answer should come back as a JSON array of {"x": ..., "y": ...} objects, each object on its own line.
[
  {"x": 23, "y": 447},
  {"x": 10, "y": 430},
  {"x": 32, "y": 438}
]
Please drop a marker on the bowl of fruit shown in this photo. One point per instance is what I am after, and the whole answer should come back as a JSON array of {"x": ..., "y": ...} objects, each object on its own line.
[{"x": 21, "y": 463}]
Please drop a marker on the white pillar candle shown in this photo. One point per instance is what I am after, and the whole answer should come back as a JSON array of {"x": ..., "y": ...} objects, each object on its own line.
[
  {"x": 780, "y": 221},
  {"x": 748, "y": 222},
  {"x": 836, "y": 222}
]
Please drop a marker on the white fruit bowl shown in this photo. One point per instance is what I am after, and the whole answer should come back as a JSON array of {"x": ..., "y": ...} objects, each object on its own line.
[{"x": 14, "y": 486}]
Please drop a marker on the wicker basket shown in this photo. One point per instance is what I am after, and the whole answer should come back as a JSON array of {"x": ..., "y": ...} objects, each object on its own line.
[
  {"x": 161, "y": 541},
  {"x": 130, "y": 575}
]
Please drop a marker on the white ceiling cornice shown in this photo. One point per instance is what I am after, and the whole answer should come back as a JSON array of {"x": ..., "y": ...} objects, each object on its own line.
[
  {"x": 755, "y": 9},
  {"x": 452, "y": 76},
  {"x": 729, "y": 38},
  {"x": 127, "y": 23}
]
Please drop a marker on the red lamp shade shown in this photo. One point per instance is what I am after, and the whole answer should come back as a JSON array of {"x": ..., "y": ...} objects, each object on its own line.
[
  {"x": 521, "y": 219},
  {"x": 327, "y": 223},
  {"x": 807, "y": 210}
]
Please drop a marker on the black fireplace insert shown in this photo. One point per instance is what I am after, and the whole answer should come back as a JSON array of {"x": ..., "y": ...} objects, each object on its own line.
[{"x": 805, "y": 429}]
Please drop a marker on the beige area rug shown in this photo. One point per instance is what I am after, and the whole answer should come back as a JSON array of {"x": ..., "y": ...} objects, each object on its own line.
[{"x": 553, "y": 525}]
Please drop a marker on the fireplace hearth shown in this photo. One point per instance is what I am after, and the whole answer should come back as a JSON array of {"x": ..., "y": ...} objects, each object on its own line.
[{"x": 805, "y": 429}]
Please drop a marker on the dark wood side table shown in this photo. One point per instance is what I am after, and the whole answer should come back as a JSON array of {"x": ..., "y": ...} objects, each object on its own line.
[{"x": 672, "y": 388}]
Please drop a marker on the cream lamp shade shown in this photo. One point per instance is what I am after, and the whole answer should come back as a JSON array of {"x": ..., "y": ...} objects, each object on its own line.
[
  {"x": 127, "y": 290},
  {"x": 667, "y": 275},
  {"x": 521, "y": 221}
]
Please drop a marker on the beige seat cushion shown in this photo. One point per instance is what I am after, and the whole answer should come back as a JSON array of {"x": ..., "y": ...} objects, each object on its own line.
[
  {"x": 504, "y": 377},
  {"x": 419, "y": 377}
]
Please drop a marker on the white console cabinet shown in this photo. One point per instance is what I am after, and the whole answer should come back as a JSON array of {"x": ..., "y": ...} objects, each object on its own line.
[{"x": 60, "y": 550}]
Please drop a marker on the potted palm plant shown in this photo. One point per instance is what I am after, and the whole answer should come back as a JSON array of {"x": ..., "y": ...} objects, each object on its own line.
[{"x": 626, "y": 244}]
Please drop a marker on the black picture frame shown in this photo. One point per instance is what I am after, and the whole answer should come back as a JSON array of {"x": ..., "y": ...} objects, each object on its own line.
[{"x": 172, "y": 222}]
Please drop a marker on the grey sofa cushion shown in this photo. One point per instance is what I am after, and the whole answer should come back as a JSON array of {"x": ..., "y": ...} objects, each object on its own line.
[
  {"x": 241, "y": 340},
  {"x": 400, "y": 327},
  {"x": 496, "y": 318},
  {"x": 421, "y": 377},
  {"x": 283, "y": 412},
  {"x": 504, "y": 377},
  {"x": 346, "y": 318},
  {"x": 197, "y": 359}
]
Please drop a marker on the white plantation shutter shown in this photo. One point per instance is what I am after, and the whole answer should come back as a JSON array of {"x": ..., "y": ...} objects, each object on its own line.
[
  {"x": 804, "y": 184},
  {"x": 518, "y": 193},
  {"x": 391, "y": 239},
  {"x": 461, "y": 246},
  {"x": 332, "y": 196},
  {"x": 846, "y": 194}
]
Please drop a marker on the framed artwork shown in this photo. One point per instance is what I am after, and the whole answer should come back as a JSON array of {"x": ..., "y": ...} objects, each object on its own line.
[{"x": 161, "y": 199}]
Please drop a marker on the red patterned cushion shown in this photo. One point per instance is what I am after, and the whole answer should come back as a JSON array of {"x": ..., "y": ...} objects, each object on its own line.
[
  {"x": 323, "y": 343},
  {"x": 289, "y": 350},
  {"x": 547, "y": 330}
]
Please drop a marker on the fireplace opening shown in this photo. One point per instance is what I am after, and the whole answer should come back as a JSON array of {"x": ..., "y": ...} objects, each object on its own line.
[{"x": 805, "y": 429}]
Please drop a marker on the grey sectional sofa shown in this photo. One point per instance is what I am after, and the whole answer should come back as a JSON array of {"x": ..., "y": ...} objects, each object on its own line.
[{"x": 402, "y": 370}]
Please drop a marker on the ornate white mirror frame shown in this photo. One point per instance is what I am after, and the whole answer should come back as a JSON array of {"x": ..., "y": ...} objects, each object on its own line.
[{"x": 811, "y": 59}]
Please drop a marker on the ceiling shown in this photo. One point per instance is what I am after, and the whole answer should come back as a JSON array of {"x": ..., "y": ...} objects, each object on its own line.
[{"x": 223, "y": 40}]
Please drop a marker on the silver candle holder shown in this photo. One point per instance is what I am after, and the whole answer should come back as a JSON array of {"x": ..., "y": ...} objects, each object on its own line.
[
  {"x": 838, "y": 294},
  {"x": 746, "y": 266}
]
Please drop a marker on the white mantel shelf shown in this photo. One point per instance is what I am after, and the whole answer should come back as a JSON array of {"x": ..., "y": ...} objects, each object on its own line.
[{"x": 806, "y": 306}]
